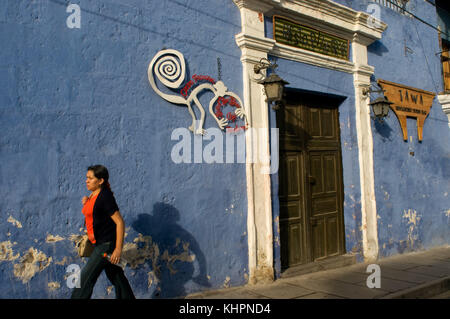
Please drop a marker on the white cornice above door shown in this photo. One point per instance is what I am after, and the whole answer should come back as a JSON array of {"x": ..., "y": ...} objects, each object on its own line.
[{"x": 325, "y": 15}]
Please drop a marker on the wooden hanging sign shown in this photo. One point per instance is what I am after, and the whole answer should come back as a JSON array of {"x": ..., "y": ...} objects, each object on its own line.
[{"x": 408, "y": 102}]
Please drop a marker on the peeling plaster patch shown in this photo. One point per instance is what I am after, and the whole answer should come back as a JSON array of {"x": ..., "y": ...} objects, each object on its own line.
[
  {"x": 75, "y": 239},
  {"x": 151, "y": 278},
  {"x": 447, "y": 213},
  {"x": 6, "y": 252},
  {"x": 230, "y": 210},
  {"x": 277, "y": 241},
  {"x": 136, "y": 256},
  {"x": 14, "y": 221},
  {"x": 352, "y": 203},
  {"x": 109, "y": 289},
  {"x": 171, "y": 259},
  {"x": 62, "y": 262},
  {"x": 412, "y": 217},
  {"x": 389, "y": 244},
  {"x": 277, "y": 223},
  {"x": 226, "y": 283},
  {"x": 52, "y": 286},
  {"x": 412, "y": 221},
  {"x": 32, "y": 262},
  {"x": 53, "y": 239}
]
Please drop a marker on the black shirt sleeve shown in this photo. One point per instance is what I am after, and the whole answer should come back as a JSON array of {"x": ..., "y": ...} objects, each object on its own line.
[{"x": 109, "y": 204}]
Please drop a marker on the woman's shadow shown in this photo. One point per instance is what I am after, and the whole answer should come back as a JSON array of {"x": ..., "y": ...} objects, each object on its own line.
[{"x": 178, "y": 251}]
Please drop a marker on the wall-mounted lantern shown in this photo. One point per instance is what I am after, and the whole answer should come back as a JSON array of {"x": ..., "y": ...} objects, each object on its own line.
[
  {"x": 273, "y": 84},
  {"x": 380, "y": 106}
]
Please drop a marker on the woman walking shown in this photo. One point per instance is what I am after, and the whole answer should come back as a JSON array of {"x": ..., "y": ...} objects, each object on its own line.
[{"x": 105, "y": 229}]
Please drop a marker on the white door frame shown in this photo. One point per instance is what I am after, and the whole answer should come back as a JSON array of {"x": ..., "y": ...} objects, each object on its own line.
[{"x": 327, "y": 16}]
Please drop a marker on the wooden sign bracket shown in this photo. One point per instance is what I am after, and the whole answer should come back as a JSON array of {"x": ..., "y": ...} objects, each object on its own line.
[{"x": 408, "y": 102}]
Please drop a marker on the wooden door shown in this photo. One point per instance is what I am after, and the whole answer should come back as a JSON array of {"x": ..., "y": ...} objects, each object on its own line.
[{"x": 310, "y": 179}]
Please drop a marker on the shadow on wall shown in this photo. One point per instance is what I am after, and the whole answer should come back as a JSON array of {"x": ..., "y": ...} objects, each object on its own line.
[
  {"x": 384, "y": 130},
  {"x": 377, "y": 48},
  {"x": 176, "y": 252}
]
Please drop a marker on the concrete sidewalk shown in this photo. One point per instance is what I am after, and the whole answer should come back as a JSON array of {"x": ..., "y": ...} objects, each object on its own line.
[{"x": 423, "y": 274}]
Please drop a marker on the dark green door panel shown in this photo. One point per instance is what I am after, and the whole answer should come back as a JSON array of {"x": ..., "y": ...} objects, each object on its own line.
[{"x": 310, "y": 179}]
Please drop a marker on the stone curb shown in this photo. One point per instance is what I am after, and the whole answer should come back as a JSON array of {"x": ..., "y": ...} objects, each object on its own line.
[{"x": 426, "y": 290}]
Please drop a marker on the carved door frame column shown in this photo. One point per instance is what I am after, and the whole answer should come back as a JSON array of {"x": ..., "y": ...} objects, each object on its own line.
[{"x": 341, "y": 21}]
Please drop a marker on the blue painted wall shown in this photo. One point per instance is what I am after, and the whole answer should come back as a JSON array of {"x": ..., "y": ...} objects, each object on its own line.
[
  {"x": 412, "y": 177},
  {"x": 71, "y": 98},
  {"x": 411, "y": 190}
]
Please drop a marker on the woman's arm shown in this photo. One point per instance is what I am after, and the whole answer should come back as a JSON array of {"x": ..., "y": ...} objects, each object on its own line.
[{"x": 120, "y": 231}]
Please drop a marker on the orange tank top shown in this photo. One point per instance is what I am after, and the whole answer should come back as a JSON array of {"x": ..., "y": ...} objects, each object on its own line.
[{"x": 88, "y": 212}]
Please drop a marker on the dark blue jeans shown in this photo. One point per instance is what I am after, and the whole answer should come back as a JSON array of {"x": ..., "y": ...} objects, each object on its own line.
[{"x": 94, "y": 267}]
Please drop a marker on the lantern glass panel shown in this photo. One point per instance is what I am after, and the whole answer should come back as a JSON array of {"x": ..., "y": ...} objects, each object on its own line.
[
  {"x": 377, "y": 109},
  {"x": 385, "y": 109},
  {"x": 273, "y": 91},
  {"x": 280, "y": 92}
]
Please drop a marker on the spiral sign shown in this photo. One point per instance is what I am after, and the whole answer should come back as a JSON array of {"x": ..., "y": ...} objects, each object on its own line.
[{"x": 170, "y": 69}]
